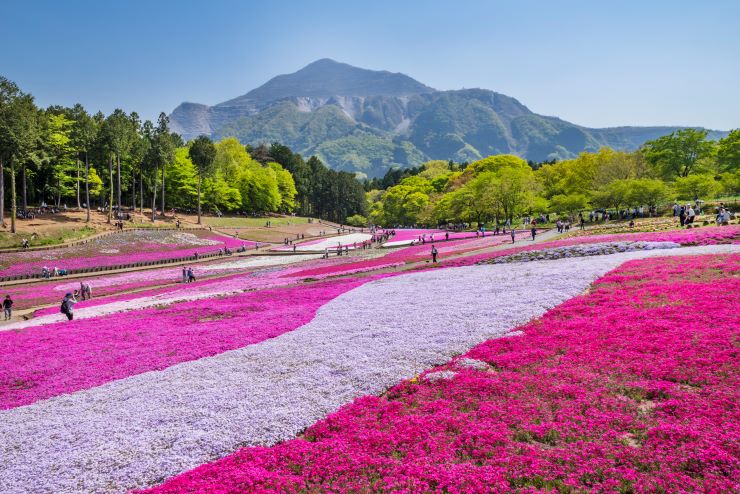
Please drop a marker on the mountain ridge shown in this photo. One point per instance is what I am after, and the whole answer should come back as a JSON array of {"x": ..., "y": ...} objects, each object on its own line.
[{"x": 367, "y": 121}]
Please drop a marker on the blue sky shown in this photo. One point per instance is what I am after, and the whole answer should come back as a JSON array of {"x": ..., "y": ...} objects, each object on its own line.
[{"x": 595, "y": 63}]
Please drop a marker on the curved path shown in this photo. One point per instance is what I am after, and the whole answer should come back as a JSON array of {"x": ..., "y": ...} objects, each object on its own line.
[{"x": 141, "y": 430}]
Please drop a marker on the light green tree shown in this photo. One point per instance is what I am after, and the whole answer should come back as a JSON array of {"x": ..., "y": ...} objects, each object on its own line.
[
  {"x": 728, "y": 152},
  {"x": 697, "y": 186},
  {"x": 677, "y": 154}
]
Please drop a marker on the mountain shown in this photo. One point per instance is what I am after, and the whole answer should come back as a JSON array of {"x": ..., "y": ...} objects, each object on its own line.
[{"x": 367, "y": 121}]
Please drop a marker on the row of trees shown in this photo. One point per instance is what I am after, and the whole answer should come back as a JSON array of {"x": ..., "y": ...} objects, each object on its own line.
[
  {"x": 682, "y": 166},
  {"x": 63, "y": 154}
]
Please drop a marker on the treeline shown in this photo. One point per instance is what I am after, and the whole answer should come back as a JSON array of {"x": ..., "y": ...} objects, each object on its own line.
[
  {"x": 62, "y": 155},
  {"x": 684, "y": 166}
]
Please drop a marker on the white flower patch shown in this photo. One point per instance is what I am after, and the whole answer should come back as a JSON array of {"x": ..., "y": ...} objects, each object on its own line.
[
  {"x": 514, "y": 333},
  {"x": 439, "y": 375},
  {"x": 140, "y": 430},
  {"x": 471, "y": 363}
]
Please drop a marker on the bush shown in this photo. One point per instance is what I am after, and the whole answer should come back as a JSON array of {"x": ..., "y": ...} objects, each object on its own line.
[{"x": 356, "y": 220}]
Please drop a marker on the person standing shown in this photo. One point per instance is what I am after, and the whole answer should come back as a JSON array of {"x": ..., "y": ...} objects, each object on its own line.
[
  {"x": 534, "y": 233},
  {"x": 682, "y": 216},
  {"x": 85, "y": 291},
  {"x": 184, "y": 275},
  {"x": 434, "y": 253},
  {"x": 8, "y": 307},
  {"x": 191, "y": 275},
  {"x": 690, "y": 215},
  {"x": 513, "y": 235},
  {"x": 68, "y": 303}
]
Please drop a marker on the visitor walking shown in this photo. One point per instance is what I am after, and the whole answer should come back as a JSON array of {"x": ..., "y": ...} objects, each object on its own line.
[
  {"x": 68, "y": 303},
  {"x": 434, "y": 254},
  {"x": 8, "y": 307},
  {"x": 191, "y": 275},
  {"x": 184, "y": 274},
  {"x": 534, "y": 233},
  {"x": 513, "y": 235}
]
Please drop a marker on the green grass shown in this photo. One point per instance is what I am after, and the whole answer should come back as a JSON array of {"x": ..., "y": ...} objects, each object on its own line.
[
  {"x": 239, "y": 221},
  {"x": 9, "y": 240}
]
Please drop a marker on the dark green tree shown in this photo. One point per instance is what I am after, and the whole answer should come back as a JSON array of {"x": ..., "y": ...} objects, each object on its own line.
[
  {"x": 19, "y": 134},
  {"x": 202, "y": 153}
]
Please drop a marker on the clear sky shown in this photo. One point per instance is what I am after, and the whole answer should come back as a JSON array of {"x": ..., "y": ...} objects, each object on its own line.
[{"x": 595, "y": 63}]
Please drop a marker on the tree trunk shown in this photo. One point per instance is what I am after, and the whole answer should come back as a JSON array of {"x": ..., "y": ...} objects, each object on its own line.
[
  {"x": 2, "y": 192},
  {"x": 133, "y": 192},
  {"x": 154, "y": 195},
  {"x": 12, "y": 197},
  {"x": 110, "y": 195},
  {"x": 87, "y": 188},
  {"x": 79, "y": 205},
  {"x": 141, "y": 189},
  {"x": 118, "y": 181},
  {"x": 199, "y": 199},
  {"x": 163, "y": 210},
  {"x": 24, "y": 202}
]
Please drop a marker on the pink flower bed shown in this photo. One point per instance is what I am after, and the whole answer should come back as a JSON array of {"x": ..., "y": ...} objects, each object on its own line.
[
  {"x": 88, "y": 255},
  {"x": 621, "y": 390},
  {"x": 695, "y": 236},
  {"x": 39, "y": 363}
]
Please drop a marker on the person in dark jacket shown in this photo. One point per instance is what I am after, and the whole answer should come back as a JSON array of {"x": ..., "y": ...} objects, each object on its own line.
[
  {"x": 8, "y": 307},
  {"x": 68, "y": 303}
]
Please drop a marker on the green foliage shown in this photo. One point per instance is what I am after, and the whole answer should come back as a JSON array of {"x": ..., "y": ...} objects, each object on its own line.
[
  {"x": 650, "y": 192},
  {"x": 182, "y": 177},
  {"x": 286, "y": 187},
  {"x": 728, "y": 152},
  {"x": 569, "y": 204},
  {"x": 202, "y": 153},
  {"x": 697, "y": 186},
  {"x": 676, "y": 155},
  {"x": 356, "y": 220}
]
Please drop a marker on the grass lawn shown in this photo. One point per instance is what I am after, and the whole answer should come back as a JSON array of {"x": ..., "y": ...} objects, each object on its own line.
[{"x": 46, "y": 237}]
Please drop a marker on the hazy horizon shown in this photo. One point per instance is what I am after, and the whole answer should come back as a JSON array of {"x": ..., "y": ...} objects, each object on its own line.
[{"x": 669, "y": 63}]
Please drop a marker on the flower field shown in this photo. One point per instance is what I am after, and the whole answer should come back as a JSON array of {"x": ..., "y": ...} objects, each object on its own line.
[
  {"x": 585, "y": 400},
  {"x": 121, "y": 248},
  {"x": 606, "y": 365}
]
